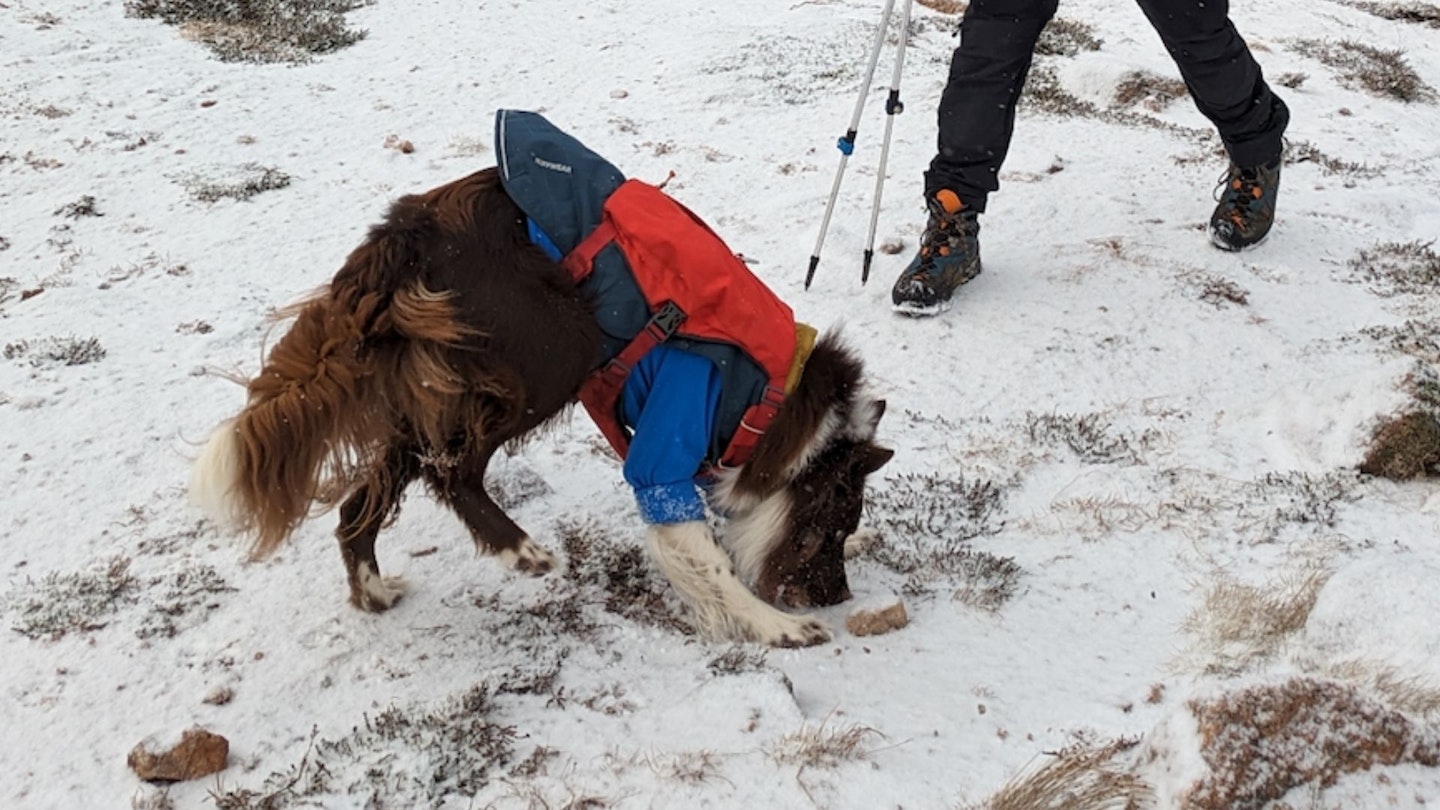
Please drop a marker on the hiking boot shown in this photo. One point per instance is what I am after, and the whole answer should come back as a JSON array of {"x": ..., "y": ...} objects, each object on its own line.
[
  {"x": 1247, "y": 206},
  {"x": 949, "y": 256}
]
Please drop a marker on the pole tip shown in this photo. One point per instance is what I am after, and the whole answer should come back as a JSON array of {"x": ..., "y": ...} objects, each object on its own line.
[{"x": 810, "y": 274}]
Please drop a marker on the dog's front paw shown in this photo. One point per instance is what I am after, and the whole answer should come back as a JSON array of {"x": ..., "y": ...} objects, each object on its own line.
[
  {"x": 860, "y": 542},
  {"x": 803, "y": 631},
  {"x": 529, "y": 557}
]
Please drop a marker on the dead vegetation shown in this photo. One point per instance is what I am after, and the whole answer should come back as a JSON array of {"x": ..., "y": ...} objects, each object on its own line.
[
  {"x": 245, "y": 181},
  {"x": 1383, "y": 73},
  {"x": 1080, "y": 777},
  {"x": 1281, "y": 501},
  {"x": 1399, "y": 268},
  {"x": 1262, "y": 742},
  {"x": 1411, "y": 12},
  {"x": 83, "y": 207},
  {"x": 791, "y": 69},
  {"x": 620, "y": 571},
  {"x": 927, "y": 523},
  {"x": 56, "y": 351},
  {"x": 1404, "y": 447},
  {"x": 413, "y": 756},
  {"x": 1238, "y": 623},
  {"x": 1302, "y": 151},
  {"x": 737, "y": 660},
  {"x": 1414, "y": 694},
  {"x": 60, "y": 604},
  {"x": 1090, "y": 437},
  {"x": 258, "y": 31},
  {"x": 185, "y": 598},
  {"x": 1417, "y": 337},
  {"x": 1044, "y": 92},
  {"x": 1066, "y": 37},
  {"x": 1154, "y": 91},
  {"x": 823, "y": 745}
]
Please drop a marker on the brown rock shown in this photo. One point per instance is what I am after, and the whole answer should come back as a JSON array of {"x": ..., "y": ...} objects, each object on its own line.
[
  {"x": 399, "y": 144},
  {"x": 199, "y": 753},
  {"x": 874, "y": 621}
]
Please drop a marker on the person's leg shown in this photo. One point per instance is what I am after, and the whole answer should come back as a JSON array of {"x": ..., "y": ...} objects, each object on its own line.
[
  {"x": 977, "y": 108},
  {"x": 1228, "y": 88},
  {"x": 1224, "y": 80},
  {"x": 977, "y": 118}
]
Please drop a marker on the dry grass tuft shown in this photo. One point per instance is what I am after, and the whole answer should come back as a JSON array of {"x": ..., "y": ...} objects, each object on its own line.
[
  {"x": 1081, "y": 777},
  {"x": 1408, "y": 693},
  {"x": 1405, "y": 447},
  {"x": 1376, "y": 71},
  {"x": 1262, "y": 742},
  {"x": 1238, "y": 623},
  {"x": 823, "y": 746},
  {"x": 1156, "y": 91}
]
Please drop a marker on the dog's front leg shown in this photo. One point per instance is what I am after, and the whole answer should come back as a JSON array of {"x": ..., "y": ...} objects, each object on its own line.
[{"x": 705, "y": 577}]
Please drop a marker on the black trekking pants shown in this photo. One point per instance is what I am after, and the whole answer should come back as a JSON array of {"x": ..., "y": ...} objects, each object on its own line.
[{"x": 987, "y": 71}]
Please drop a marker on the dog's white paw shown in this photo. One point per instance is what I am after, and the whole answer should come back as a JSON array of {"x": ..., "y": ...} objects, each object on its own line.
[
  {"x": 529, "y": 558},
  {"x": 860, "y": 542},
  {"x": 794, "y": 631},
  {"x": 376, "y": 594}
]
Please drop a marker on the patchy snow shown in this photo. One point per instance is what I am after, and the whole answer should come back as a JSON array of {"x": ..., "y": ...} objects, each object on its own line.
[{"x": 1111, "y": 417}]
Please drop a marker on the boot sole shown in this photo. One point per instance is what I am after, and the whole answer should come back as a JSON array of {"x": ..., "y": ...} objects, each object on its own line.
[
  {"x": 1219, "y": 242},
  {"x": 913, "y": 310}
]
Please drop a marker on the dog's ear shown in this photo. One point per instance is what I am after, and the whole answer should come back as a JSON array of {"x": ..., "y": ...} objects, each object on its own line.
[
  {"x": 874, "y": 457},
  {"x": 878, "y": 410},
  {"x": 865, "y": 418}
]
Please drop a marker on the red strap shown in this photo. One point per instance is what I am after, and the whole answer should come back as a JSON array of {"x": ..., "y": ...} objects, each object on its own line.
[
  {"x": 581, "y": 260},
  {"x": 753, "y": 425},
  {"x": 600, "y": 394}
]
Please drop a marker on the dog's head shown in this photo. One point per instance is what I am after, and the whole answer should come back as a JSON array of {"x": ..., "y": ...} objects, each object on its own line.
[{"x": 800, "y": 497}]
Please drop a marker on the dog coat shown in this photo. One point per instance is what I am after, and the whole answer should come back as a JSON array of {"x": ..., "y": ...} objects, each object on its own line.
[{"x": 658, "y": 276}]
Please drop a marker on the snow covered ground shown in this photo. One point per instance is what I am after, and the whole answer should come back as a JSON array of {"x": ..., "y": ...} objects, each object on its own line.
[{"x": 1124, "y": 488}]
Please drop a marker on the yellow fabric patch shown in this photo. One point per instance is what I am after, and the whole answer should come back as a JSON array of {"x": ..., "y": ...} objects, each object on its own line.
[{"x": 804, "y": 344}]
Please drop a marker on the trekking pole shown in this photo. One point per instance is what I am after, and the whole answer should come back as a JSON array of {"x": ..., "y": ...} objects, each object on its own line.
[
  {"x": 893, "y": 107},
  {"x": 846, "y": 144}
]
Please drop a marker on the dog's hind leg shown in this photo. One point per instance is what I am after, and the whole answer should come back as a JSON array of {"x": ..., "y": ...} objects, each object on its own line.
[
  {"x": 493, "y": 530},
  {"x": 361, "y": 517}
]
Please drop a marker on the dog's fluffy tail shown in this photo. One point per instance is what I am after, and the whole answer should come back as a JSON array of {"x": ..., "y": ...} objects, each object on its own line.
[{"x": 366, "y": 354}]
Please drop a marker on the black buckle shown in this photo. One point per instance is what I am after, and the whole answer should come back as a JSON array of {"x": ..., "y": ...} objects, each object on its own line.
[
  {"x": 774, "y": 397},
  {"x": 666, "y": 321}
]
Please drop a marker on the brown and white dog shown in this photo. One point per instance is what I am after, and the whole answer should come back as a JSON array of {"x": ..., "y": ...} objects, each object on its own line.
[{"x": 447, "y": 334}]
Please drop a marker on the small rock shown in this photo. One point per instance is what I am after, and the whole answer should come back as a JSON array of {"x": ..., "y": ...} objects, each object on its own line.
[
  {"x": 619, "y": 93},
  {"x": 399, "y": 144},
  {"x": 199, "y": 753},
  {"x": 220, "y": 695},
  {"x": 873, "y": 621},
  {"x": 892, "y": 246}
]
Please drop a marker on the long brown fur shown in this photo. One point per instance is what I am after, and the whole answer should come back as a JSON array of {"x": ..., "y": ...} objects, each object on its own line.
[{"x": 378, "y": 349}]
